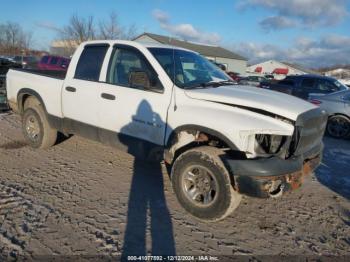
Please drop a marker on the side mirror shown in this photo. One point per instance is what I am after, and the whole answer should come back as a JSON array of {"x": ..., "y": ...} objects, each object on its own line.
[{"x": 139, "y": 79}]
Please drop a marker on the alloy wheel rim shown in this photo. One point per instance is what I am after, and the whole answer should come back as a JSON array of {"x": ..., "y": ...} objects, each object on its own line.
[
  {"x": 32, "y": 128},
  {"x": 200, "y": 185}
]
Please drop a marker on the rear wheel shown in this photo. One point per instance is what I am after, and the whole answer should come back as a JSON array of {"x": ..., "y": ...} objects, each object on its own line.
[
  {"x": 36, "y": 129},
  {"x": 338, "y": 126},
  {"x": 202, "y": 184}
]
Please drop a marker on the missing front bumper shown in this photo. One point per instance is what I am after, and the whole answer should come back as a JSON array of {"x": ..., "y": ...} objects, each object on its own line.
[{"x": 262, "y": 184}]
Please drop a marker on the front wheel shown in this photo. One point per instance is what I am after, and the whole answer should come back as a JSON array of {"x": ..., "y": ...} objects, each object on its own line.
[
  {"x": 202, "y": 184},
  {"x": 338, "y": 126}
]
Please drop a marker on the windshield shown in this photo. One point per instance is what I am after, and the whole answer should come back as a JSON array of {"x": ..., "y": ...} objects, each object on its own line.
[
  {"x": 340, "y": 85},
  {"x": 188, "y": 69}
]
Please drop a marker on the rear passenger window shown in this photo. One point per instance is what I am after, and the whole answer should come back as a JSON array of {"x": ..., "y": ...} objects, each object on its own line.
[
  {"x": 44, "y": 59},
  {"x": 326, "y": 86},
  {"x": 90, "y": 62},
  {"x": 64, "y": 62},
  {"x": 53, "y": 60},
  {"x": 287, "y": 82},
  {"x": 308, "y": 83}
]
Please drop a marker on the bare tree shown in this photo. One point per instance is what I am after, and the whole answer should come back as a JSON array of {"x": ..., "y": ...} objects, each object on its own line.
[
  {"x": 110, "y": 29},
  {"x": 13, "y": 39},
  {"x": 79, "y": 30},
  {"x": 130, "y": 32}
]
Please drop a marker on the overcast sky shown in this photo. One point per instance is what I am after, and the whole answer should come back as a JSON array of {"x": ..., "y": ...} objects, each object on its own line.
[{"x": 310, "y": 32}]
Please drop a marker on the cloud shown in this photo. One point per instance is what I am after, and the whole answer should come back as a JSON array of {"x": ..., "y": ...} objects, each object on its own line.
[
  {"x": 161, "y": 16},
  {"x": 47, "y": 25},
  {"x": 307, "y": 13},
  {"x": 277, "y": 23},
  {"x": 185, "y": 31},
  {"x": 327, "y": 51}
]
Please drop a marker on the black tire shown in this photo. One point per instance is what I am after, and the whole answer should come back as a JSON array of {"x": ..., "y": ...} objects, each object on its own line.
[
  {"x": 222, "y": 201},
  {"x": 338, "y": 126},
  {"x": 36, "y": 129}
]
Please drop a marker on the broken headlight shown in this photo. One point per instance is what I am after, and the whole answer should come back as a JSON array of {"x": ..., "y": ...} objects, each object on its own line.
[{"x": 269, "y": 144}]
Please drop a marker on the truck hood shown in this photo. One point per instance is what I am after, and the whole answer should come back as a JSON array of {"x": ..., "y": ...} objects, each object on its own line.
[{"x": 256, "y": 98}]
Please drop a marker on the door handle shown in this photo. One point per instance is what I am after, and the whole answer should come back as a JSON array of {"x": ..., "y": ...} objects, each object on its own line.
[
  {"x": 107, "y": 96},
  {"x": 71, "y": 89}
]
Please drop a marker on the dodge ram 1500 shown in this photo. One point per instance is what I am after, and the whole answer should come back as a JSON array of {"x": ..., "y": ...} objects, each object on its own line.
[{"x": 162, "y": 102}]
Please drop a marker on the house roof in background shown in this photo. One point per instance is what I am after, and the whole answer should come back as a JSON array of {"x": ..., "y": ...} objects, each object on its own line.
[
  {"x": 301, "y": 68},
  {"x": 291, "y": 65},
  {"x": 207, "y": 50}
]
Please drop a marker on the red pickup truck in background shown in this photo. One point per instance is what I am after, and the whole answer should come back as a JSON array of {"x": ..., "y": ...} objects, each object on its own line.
[{"x": 54, "y": 63}]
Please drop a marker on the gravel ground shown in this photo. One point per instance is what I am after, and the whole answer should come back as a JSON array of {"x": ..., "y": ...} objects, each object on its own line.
[{"x": 84, "y": 198}]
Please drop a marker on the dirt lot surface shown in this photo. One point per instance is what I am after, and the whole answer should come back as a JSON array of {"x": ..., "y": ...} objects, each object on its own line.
[{"x": 81, "y": 197}]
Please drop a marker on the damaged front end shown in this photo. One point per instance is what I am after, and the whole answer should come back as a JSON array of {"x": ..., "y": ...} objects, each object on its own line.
[
  {"x": 279, "y": 163},
  {"x": 275, "y": 186}
]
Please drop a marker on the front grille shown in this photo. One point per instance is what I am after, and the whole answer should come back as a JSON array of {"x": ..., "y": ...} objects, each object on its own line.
[{"x": 310, "y": 127}]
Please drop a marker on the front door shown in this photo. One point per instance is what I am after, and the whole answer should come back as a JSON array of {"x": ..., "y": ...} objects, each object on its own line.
[{"x": 133, "y": 103}]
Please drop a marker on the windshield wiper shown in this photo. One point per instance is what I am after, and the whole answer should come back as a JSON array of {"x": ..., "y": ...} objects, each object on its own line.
[
  {"x": 227, "y": 82},
  {"x": 212, "y": 84}
]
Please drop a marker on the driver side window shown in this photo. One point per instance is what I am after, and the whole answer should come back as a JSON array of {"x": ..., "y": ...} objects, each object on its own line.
[
  {"x": 129, "y": 68},
  {"x": 326, "y": 86}
]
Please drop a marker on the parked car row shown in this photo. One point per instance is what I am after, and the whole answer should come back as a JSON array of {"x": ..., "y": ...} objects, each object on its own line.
[
  {"x": 304, "y": 85},
  {"x": 56, "y": 63},
  {"x": 47, "y": 62},
  {"x": 325, "y": 92},
  {"x": 29, "y": 62}
]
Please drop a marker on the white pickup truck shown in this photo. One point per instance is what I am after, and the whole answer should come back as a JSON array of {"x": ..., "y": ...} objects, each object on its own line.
[{"x": 220, "y": 140}]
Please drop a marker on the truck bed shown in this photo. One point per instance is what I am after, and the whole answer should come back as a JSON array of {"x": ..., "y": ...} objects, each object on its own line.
[
  {"x": 47, "y": 84},
  {"x": 48, "y": 73}
]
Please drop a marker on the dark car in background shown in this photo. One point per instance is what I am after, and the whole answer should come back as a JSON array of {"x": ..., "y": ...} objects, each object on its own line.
[
  {"x": 252, "y": 80},
  {"x": 5, "y": 65},
  {"x": 304, "y": 85},
  {"x": 54, "y": 63},
  {"x": 235, "y": 76},
  {"x": 28, "y": 62}
]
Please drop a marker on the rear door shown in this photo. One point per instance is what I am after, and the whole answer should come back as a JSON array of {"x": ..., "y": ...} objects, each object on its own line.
[
  {"x": 307, "y": 86},
  {"x": 80, "y": 94},
  {"x": 285, "y": 86}
]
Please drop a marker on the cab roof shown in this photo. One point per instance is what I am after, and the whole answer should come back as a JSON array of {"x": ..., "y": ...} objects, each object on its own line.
[{"x": 135, "y": 44}]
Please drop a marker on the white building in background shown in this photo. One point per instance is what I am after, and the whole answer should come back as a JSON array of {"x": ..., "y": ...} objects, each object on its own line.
[
  {"x": 232, "y": 61},
  {"x": 339, "y": 73},
  {"x": 342, "y": 74},
  {"x": 279, "y": 69},
  {"x": 63, "y": 47}
]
